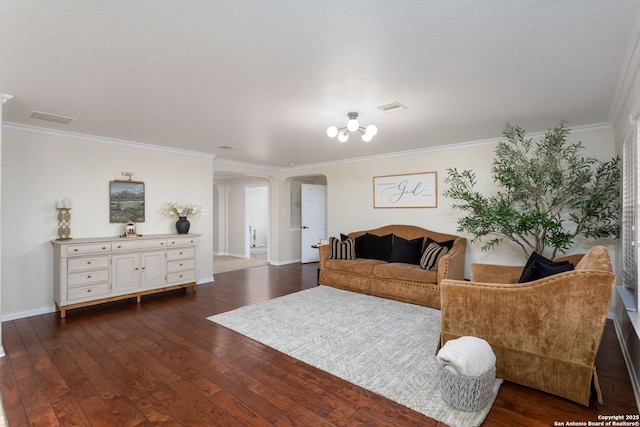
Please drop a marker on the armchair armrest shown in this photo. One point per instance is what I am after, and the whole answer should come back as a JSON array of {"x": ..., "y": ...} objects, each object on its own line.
[
  {"x": 451, "y": 266},
  {"x": 492, "y": 273}
]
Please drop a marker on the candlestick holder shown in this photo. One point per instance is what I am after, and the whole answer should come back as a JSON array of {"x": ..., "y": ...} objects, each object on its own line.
[{"x": 64, "y": 220}]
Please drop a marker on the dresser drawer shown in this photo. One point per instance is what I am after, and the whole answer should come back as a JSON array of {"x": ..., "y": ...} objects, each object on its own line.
[
  {"x": 87, "y": 263},
  {"x": 182, "y": 241},
  {"x": 180, "y": 265},
  {"x": 88, "y": 249},
  {"x": 181, "y": 277},
  {"x": 87, "y": 291},
  {"x": 85, "y": 278},
  {"x": 181, "y": 253},
  {"x": 133, "y": 245}
]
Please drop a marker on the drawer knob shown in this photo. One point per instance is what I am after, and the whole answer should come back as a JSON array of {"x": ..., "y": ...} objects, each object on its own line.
[
  {"x": 180, "y": 253},
  {"x": 104, "y": 248},
  {"x": 180, "y": 265},
  {"x": 75, "y": 250},
  {"x": 88, "y": 290},
  {"x": 89, "y": 277},
  {"x": 88, "y": 262}
]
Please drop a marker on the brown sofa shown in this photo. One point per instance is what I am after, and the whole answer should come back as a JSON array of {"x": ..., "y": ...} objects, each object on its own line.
[
  {"x": 545, "y": 333},
  {"x": 399, "y": 281}
]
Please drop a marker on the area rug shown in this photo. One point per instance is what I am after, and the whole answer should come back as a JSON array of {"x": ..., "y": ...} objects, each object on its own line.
[
  {"x": 385, "y": 346},
  {"x": 224, "y": 264}
]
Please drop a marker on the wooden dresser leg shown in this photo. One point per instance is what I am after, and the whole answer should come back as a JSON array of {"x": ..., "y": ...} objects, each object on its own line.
[{"x": 62, "y": 312}]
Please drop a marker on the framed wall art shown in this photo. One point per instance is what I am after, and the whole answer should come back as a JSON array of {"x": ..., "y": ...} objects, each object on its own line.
[
  {"x": 416, "y": 190},
  {"x": 126, "y": 201}
]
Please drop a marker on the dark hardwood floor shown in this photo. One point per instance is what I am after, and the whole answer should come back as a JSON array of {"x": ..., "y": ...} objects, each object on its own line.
[{"x": 162, "y": 362}]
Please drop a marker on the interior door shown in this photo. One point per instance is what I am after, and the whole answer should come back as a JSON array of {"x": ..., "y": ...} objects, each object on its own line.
[{"x": 313, "y": 213}]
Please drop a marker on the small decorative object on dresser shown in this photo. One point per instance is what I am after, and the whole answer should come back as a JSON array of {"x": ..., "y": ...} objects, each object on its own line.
[
  {"x": 63, "y": 208},
  {"x": 182, "y": 212},
  {"x": 182, "y": 225},
  {"x": 130, "y": 230},
  {"x": 91, "y": 271}
]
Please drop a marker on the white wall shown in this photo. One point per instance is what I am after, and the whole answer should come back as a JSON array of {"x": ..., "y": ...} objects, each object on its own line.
[
  {"x": 2, "y": 107},
  {"x": 39, "y": 167}
]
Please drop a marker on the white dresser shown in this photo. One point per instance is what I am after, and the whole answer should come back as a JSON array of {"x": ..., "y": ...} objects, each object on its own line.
[{"x": 96, "y": 270}]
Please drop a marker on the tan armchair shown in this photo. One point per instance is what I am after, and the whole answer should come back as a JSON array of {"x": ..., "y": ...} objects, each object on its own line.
[{"x": 545, "y": 333}]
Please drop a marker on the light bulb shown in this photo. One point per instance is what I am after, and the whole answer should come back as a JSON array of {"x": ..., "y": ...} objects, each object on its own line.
[
  {"x": 371, "y": 130},
  {"x": 343, "y": 136},
  {"x": 332, "y": 131},
  {"x": 353, "y": 125},
  {"x": 366, "y": 137}
]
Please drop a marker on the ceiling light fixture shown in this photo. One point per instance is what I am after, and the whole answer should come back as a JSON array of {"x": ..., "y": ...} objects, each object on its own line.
[{"x": 352, "y": 126}]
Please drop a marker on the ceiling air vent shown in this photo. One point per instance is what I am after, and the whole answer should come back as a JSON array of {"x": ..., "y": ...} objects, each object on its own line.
[
  {"x": 51, "y": 117},
  {"x": 391, "y": 107}
]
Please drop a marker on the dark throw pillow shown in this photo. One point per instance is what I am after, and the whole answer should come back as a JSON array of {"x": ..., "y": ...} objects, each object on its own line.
[
  {"x": 342, "y": 250},
  {"x": 378, "y": 247},
  {"x": 406, "y": 251},
  {"x": 432, "y": 254},
  {"x": 538, "y": 267}
]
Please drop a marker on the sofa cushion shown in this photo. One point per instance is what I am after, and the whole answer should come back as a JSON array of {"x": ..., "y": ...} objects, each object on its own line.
[
  {"x": 407, "y": 251},
  {"x": 342, "y": 250},
  {"x": 356, "y": 266},
  {"x": 378, "y": 247},
  {"x": 432, "y": 254},
  {"x": 405, "y": 272},
  {"x": 538, "y": 267}
]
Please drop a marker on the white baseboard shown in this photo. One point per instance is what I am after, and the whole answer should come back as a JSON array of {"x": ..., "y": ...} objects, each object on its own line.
[
  {"x": 28, "y": 313},
  {"x": 291, "y": 261},
  {"x": 204, "y": 281}
]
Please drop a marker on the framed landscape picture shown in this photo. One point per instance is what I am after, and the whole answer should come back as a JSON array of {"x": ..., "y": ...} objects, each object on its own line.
[
  {"x": 126, "y": 201},
  {"x": 416, "y": 190}
]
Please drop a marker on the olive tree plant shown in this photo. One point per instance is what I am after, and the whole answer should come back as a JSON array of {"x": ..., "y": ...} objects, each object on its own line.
[{"x": 548, "y": 194}]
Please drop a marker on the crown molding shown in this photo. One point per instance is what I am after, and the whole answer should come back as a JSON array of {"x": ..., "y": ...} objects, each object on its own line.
[
  {"x": 426, "y": 150},
  {"x": 103, "y": 140}
]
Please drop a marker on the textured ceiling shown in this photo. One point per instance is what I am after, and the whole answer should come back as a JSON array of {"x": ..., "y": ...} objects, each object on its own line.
[{"x": 267, "y": 78}]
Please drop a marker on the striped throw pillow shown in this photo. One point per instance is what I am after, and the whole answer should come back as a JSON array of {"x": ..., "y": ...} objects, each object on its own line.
[
  {"x": 342, "y": 250},
  {"x": 431, "y": 255}
]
